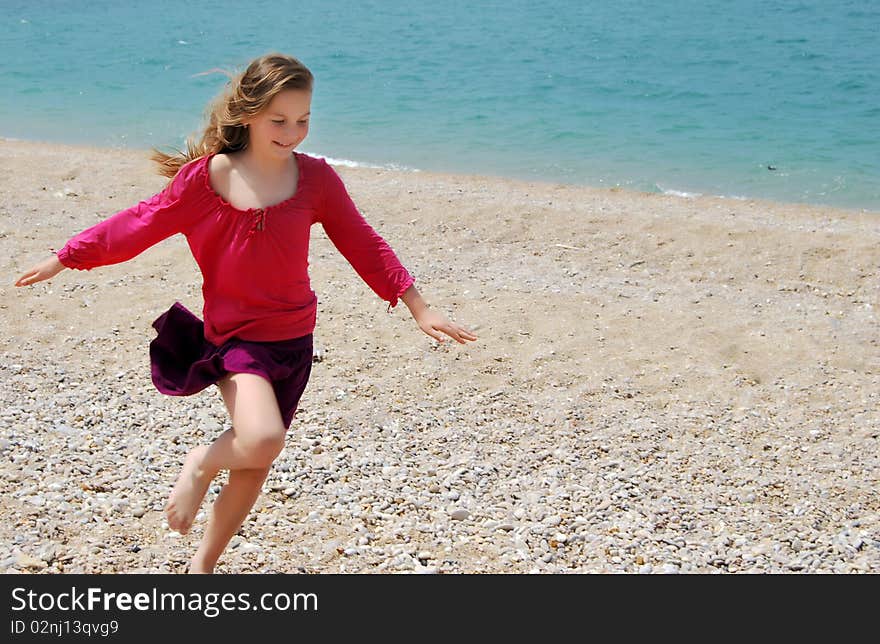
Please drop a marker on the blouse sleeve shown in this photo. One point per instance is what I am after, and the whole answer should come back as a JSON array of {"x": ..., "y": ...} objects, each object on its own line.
[
  {"x": 369, "y": 254},
  {"x": 131, "y": 231}
]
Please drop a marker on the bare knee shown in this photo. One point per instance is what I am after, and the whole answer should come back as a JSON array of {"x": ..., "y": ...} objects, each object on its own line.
[{"x": 263, "y": 448}]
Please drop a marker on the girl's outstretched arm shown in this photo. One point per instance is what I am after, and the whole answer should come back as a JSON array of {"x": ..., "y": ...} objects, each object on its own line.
[
  {"x": 127, "y": 233},
  {"x": 46, "y": 269},
  {"x": 432, "y": 322}
]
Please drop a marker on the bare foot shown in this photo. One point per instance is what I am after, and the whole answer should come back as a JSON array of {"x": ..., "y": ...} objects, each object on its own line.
[
  {"x": 197, "y": 567},
  {"x": 188, "y": 492}
]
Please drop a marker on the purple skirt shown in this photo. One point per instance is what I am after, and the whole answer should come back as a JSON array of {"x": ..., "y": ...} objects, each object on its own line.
[{"x": 183, "y": 362}]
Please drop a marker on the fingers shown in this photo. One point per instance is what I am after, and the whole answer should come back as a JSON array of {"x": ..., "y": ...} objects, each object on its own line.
[
  {"x": 28, "y": 278},
  {"x": 457, "y": 333},
  {"x": 460, "y": 334},
  {"x": 434, "y": 334},
  {"x": 435, "y": 325},
  {"x": 453, "y": 333},
  {"x": 46, "y": 269}
]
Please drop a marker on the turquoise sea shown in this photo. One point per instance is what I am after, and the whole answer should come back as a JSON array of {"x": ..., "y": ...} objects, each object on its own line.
[{"x": 741, "y": 98}]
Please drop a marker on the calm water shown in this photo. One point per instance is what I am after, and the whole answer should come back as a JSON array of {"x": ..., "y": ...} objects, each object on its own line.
[{"x": 695, "y": 97}]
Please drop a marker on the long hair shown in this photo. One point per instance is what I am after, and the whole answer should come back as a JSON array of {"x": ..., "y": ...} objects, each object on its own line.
[{"x": 245, "y": 95}]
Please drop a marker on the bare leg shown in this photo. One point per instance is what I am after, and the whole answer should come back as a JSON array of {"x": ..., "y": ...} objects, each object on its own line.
[
  {"x": 247, "y": 451},
  {"x": 188, "y": 492},
  {"x": 230, "y": 510},
  {"x": 255, "y": 440}
]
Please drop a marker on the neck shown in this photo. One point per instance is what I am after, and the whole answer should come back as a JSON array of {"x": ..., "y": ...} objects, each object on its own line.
[{"x": 266, "y": 164}]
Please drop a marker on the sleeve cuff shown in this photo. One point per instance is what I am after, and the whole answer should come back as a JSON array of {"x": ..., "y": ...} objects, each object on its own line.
[
  {"x": 393, "y": 302},
  {"x": 64, "y": 257}
]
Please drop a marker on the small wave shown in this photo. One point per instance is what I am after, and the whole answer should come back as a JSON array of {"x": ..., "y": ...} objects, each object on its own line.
[
  {"x": 678, "y": 193},
  {"x": 348, "y": 163},
  {"x": 182, "y": 42}
]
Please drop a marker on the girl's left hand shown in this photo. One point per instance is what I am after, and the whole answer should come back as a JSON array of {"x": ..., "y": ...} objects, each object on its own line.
[{"x": 434, "y": 324}]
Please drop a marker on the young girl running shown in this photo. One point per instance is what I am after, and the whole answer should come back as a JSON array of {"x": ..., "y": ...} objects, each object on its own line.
[{"x": 245, "y": 200}]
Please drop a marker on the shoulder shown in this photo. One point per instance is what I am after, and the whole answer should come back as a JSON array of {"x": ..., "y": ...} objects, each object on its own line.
[
  {"x": 218, "y": 163},
  {"x": 188, "y": 185},
  {"x": 319, "y": 172},
  {"x": 190, "y": 174},
  {"x": 218, "y": 171},
  {"x": 317, "y": 166},
  {"x": 219, "y": 166}
]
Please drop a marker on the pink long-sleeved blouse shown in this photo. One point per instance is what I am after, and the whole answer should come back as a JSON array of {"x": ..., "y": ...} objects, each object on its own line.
[{"x": 254, "y": 263}]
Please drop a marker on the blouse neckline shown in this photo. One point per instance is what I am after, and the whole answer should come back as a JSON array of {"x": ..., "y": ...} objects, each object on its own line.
[{"x": 280, "y": 204}]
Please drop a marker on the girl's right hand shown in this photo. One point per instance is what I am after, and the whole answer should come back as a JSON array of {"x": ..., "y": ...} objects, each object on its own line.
[{"x": 46, "y": 269}]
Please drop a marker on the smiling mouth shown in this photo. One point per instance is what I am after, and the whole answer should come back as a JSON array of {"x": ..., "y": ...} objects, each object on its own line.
[{"x": 282, "y": 145}]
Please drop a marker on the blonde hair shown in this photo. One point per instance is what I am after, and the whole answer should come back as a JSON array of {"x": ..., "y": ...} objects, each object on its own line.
[{"x": 246, "y": 95}]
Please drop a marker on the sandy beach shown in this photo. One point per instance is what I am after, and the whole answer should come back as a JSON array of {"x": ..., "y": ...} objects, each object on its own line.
[{"x": 661, "y": 384}]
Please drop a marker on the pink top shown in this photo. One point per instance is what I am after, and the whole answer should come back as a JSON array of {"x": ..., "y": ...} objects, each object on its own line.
[{"x": 254, "y": 263}]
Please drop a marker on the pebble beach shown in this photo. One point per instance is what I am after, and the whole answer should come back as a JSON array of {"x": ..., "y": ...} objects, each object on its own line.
[{"x": 661, "y": 384}]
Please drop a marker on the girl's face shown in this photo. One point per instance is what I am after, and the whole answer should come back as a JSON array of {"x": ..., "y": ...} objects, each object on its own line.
[{"x": 282, "y": 125}]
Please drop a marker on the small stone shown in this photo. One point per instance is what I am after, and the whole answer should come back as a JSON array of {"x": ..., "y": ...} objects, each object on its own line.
[
  {"x": 138, "y": 511},
  {"x": 23, "y": 560},
  {"x": 669, "y": 569},
  {"x": 646, "y": 569},
  {"x": 459, "y": 515}
]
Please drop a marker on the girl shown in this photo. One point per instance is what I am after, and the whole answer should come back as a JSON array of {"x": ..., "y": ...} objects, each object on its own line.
[{"x": 245, "y": 200}]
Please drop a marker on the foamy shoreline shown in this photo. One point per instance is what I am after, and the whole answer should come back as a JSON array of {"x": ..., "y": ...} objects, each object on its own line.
[
  {"x": 393, "y": 167},
  {"x": 661, "y": 384}
]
